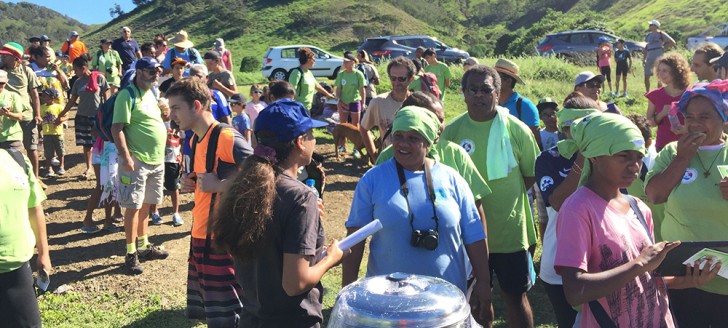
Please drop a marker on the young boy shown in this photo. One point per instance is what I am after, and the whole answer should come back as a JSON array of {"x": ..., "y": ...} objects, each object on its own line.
[
  {"x": 623, "y": 58},
  {"x": 172, "y": 166},
  {"x": 547, "y": 109},
  {"x": 52, "y": 130},
  {"x": 241, "y": 121}
]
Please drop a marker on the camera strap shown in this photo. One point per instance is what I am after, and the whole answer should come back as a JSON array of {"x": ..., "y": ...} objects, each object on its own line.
[{"x": 430, "y": 191}]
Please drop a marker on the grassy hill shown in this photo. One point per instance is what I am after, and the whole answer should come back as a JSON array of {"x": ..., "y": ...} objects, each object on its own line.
[{"x": 20, "y": 21}]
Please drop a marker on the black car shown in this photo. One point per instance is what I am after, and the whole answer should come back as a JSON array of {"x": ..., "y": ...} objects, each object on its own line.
[{"x": 386, "y": 47}]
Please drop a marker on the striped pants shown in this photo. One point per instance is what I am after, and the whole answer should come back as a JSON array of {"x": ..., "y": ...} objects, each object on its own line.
[{"x": 212, "y": 291}]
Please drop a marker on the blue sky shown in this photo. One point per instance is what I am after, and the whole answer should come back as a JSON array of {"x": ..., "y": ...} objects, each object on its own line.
[{"x": 84, "y": 11}]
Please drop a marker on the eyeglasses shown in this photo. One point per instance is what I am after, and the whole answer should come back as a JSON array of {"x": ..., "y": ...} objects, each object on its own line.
[
  {"x": 399, "y": 78},
  {"x": 593, "y": 85},
  {"x": 2, "y": 84},
  {"x": 485, "y": 91},
  {"x": 153, "y": 71},
  {"x": 258, "y": 91}
]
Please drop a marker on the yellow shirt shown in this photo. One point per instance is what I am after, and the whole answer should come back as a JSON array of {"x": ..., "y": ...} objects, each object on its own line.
[{"x": 49, "y": 114}]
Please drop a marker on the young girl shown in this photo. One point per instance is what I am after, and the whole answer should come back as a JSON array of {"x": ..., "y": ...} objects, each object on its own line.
[
  {"x": 604, "y": 53},
  {"x": 605, "y": 251},
  {"x": 270, "y": 223},
  {"x": 351, "y": 91},
  {"x": 256, "y": 104}
]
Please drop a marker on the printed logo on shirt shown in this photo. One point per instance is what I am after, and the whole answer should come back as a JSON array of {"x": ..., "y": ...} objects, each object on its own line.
[
  {"x": 468, "y": 145},
  {"x": 546, "y": 182},
  {"x": 690, "y": 175},
  {"x": 343, "y": 82},
  {"x": 564, "y": 172}
]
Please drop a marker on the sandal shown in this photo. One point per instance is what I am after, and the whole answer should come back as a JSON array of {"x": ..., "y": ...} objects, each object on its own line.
[
  {"x": 90, "y": 230},
  {"x": 110, "y": 228}
]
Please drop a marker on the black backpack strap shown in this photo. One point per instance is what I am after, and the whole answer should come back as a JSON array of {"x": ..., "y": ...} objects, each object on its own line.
[
  {"x": 210, "y": 159},
  {"x": 636, "y": 210},
  {"x": 600, "y": 315},
  {"x": 519, "y": 104},
  {"x": 18, "y": 157}
]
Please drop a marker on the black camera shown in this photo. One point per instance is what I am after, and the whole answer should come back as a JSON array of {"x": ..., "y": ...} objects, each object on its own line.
[
  {"x": 427, "y": 239},
  {"x": 110, "y": 70}
]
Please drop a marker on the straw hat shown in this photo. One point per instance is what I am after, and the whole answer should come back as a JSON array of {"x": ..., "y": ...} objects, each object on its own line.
[
  {"x": 509, "y": 68},
  {"x": 181, "y": 40}
]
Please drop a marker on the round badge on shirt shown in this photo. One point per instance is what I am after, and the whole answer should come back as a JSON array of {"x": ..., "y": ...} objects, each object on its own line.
[
  {"x": 690, "y": 175},
  {"x": 343, "y": 82},
  {"x": 468, "y": 145}
]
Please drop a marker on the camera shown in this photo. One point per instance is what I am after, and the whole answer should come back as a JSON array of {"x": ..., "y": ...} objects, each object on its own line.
[
  {"x": 427, "y": 239},
  {"x": 110, "y": 70}
]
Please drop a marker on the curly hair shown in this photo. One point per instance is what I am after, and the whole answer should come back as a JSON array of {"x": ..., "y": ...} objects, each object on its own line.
[{"x": 679, "y": 69}]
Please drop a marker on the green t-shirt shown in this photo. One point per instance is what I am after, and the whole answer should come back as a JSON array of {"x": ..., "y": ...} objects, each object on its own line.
[
  {"x": 454, "y": 156},
  {"x": 10, "y": 128},
  {"x": 510, "y": 221},
  {"x": 18, "y": 192},
  {"x": 416, "y": 84},
  {"x": 103, "y": 62},
  {"x": 350, "y": 85},
  {"x": 146, "y": 134},
  {"x": 442, "y": 72},
  {"x": 307, "y": 86},
  {"x": 695, "y": 209},
  {"x": 21, "y": 80}
]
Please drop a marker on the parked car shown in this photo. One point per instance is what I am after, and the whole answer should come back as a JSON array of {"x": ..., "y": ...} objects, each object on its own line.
[
  {"x": 279, "y": 61},
  {"x": 717, "y": 34},
  {"x": 385, "y": 47},
  {"x": 573, "y": 44}
]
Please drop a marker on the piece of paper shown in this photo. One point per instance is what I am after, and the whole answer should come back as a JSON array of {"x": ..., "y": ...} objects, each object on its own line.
[
  {"x": 43, "y": 280},
  {"x": 704, "y": 254},
  {"x": 723, "y": 170},
  {"x": 358, "y": 236}
]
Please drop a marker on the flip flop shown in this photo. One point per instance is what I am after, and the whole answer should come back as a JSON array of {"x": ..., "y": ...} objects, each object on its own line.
[{"x": 90, "y": 230}]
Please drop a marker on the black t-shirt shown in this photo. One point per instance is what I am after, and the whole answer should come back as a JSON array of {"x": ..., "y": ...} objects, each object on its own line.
[
  {"x": 295, "y": 229},
  {"x": 551, "y": 171},
  {"x": 620, "y": 56},
  {"x": 166, "y": 84}
]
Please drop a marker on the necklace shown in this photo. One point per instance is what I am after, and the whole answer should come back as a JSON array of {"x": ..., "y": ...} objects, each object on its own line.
[{"x": 706, "y": 171}]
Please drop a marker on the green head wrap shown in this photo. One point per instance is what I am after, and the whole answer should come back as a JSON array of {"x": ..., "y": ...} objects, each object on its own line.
[
  {"x": 424, "y": 122},
  {"x": 601, "y": 135},
  {"x": 567, "y": 116}
]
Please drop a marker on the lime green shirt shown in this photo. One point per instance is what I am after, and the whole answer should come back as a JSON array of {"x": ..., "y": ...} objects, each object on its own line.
[
  {"x": 18, "y": 192},
  {"x": 103, "y": 62},
  {"x": 442, "y": 72},
  {"x": 510, "y": 221},
  {"x": 695, "y": 209},
  {"x": 145, "y": 132},
  {"x": 10, "y": 128},
  {"x": 306, "y": 88},
  {"x": 21, "y": 81},
  {"x": 350, "y": 85}
]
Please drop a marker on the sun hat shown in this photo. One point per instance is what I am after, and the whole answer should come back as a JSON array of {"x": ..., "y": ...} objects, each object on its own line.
[
  {"x": 178, "y": 60},
  {"x": 587, "y": 76},
  {"x": 655, "y": 22},
  {"x": 146, "y": 63},
  {"x": 285, "y": 119},
  {"x": 509, "y": 68},
  {"x": 181, "y": 39},
  {"x": 545, "y": 103},
  {"x": 420, "y": 120},
  {"x": 3, "y": 76},
  {"x": 13, "y": 49}
]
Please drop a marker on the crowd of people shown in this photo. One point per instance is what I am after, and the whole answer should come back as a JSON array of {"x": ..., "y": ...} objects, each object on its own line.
[{"x": 464, "y": 200}]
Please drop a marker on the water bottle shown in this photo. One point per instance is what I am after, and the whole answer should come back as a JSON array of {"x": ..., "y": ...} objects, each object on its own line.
[
  {"x": 311, "y": 183},
  {"x": 675, "y": 124}
]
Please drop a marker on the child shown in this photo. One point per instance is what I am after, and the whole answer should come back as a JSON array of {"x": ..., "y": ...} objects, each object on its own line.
[
  {"x": 256, "y": 104},
  {"x": 604, "y": 53},
  {"x": 623, "y": 58},
  {"x": 52, "y": 130},
  {"x": 172, "y": 166},
  {"x": 547, "y": 109},
  {"x": 241, "y": 121}
]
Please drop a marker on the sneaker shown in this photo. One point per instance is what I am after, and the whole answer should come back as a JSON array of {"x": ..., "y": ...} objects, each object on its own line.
[
  {"x": 61, "y": 171},
  {"x": 110, "y": 228},
  {"x": 624, "y": 94},
  {"x": 47, "y": 174},
  {"x": 342, "y": 149},
  {"x": 132, "y": 264},
  {"x": 156, "y": 219},
  {"x": 55, "y": 162},
  {"x": 177, "y": 220},
  {"x": 153, "y": 252},
  {"x": 356, "y": 154}
]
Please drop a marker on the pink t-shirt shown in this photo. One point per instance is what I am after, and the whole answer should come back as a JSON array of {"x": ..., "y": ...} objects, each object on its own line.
[
  {"x": 605, "y": 52},
  {"x": 253, "y": 109},
  {"x": 663, "y": 101},
  {"x": 594, "y": 237}
]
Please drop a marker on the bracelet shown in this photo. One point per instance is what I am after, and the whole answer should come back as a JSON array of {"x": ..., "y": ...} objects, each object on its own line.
[{"x": 576, "y": 168}]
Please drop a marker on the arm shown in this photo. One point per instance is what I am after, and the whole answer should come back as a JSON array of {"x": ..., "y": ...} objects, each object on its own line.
[
  {"x": 481, "y": 213},
  {"x": 537, "y": 136},
  {"x": 529, "y": 181},
  {"x": 363, "y": 95},
  {"x": 229, "y": 60},
  {"x": 247, "y": 134},
  {"x": 228, "y": 92},
  {"x": 660, "y": 186},
  {"x": 321, "y": 89},
  {"x": 61, "y": 77},
  {"x": 117, "y": 131},
  {"x": 69, "y": 105},
  {"x": 447, "y": 84},
  {"x": 350, "y": 264},
  {"x": 138, "y": 54},
  {"x": 568, "y": 186},
  {"x": 38, "y": 224},
  {"x": 651, "y": 118},
  {"x": 480, "y": 302},
  {"x": 299, "y": 276},
  {"x": 661, "y": 115},
  {"x": 669, "y": 41},
  {"x": 35, "y": 103},
  {"x": 8, "y": 112}
]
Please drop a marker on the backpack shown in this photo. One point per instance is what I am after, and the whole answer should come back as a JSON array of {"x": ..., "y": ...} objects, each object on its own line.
[
  {"x": 18, "y": 157},
  {"x": 193, "y": 55},
  {"x": 429, "y": 85},
  {"x": 105, "y": 115},
  {"x": 300, "y": 80},
  {"x": 363, "y": 70}
]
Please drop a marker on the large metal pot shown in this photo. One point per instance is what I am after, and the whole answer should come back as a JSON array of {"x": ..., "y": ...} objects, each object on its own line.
[{"x": 400, "y": 300}]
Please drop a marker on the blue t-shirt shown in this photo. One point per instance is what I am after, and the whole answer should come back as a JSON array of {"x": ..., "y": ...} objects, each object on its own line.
[
  {"x": 241, "y": 122},
  {"x": 378, "y": 196},
  {"x": 167, "y": 63},
  {"x": 529, "y": 112},
  {"x": 551, "y": 171},
  {"x": 220, "y": 109},
  {"x": 127, "y": 50}
]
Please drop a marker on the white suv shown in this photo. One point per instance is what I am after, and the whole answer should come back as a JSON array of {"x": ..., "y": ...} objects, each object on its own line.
[{"x": 278, "y": 61}]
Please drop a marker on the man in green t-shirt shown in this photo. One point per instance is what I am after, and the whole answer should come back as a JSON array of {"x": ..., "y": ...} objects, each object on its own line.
[
  {"x": 140, "y": 137},
  {"x": 439, "y": 69},
  {"x": 504, "y": 151},
  {"x": 11, "y": 112}
]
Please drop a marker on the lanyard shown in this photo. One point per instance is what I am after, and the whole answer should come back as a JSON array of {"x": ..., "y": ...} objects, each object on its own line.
[{"x": 430, "y": 190}]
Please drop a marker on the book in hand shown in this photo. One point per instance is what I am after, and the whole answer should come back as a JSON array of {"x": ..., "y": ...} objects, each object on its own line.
[
  {"x": 688, "y": 252},
  {"x": 705, "y": 254}
]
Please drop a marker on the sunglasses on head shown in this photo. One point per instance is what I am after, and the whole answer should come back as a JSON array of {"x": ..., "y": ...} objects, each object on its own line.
[
  {"x": 399, "y": 78},
  {"x": 485, "y": 91}
]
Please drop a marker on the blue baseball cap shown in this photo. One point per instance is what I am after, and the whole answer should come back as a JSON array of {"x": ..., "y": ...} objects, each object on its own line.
[
  {"x": 602, "y": 40},
  {"x": 146, "y": 63},
  {"x": 286, "y": 119}
]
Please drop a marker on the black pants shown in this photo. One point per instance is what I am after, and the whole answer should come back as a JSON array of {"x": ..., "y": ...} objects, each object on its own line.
[
  {"x": 695, "y": 308},
  {"x": 565, "y": 314},
  {"x": 18, "y": 306}
]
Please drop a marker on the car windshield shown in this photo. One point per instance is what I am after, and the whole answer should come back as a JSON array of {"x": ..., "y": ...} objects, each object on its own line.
[{"x": 432, "y": 43}]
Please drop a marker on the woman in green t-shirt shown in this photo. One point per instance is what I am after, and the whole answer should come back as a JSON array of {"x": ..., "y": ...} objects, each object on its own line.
[
  {"x": 687, "y": 177},
  {"x": 351, "y": 91},
  {"x": 108, "y": 61},
  {"x": 303, "y": 81}
]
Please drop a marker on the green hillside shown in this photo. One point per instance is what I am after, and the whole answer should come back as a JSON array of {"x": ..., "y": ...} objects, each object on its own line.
[{"x": 20, "y": 21}]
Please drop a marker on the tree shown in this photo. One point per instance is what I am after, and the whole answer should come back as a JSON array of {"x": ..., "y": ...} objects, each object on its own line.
[
  {"x": 115, "y": 11},
  {"x": 141, "y": 2}
]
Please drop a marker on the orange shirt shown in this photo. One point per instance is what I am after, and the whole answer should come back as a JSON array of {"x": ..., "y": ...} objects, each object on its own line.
[
  {"x": 201, "y": 211},
  {"x": 77, "y": 49}
]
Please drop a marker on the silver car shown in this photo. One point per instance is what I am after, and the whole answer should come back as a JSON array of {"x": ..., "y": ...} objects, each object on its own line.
[{"x": 279, "y": 61}]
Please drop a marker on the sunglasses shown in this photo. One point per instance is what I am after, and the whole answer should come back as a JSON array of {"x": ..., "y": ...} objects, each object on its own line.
[
  {"x": 485, "y": 91},
  {"x": 399, "y": 78},
  {"x": 258, "y": 91},
  {"x": 593, "y": 85},
  {"x": 2, "y": 84}
]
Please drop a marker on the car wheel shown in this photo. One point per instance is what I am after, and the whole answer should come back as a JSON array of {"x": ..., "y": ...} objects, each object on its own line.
[
  {"x": 278, "y": 74},
  {"x": 336, "y": 72}
]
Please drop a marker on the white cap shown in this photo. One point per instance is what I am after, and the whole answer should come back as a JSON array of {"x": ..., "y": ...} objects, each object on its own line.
[
  {"x": 587, "y": 76},
  {"x": 655, "y": 22}
]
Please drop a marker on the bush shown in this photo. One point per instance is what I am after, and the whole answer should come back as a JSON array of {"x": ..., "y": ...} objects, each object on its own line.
[{"x": 249, "y": 64}]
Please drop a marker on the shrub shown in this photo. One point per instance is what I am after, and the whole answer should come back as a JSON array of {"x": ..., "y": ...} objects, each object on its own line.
[{"x": 249, "y": 64}]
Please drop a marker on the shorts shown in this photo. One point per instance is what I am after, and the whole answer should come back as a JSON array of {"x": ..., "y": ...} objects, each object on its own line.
[
  {"x": 514, "y": 271},
  {"x": 30, "y": 134},
  {"x": 171, "y": 176},
  {"x": 355, "y": 107},
  {"x": 607, "y": 72},
  {"x": 15, "y": 144},
  {"x": 18, "y": 305},
  {"x": 650, "y": 60},
  {"x": 622, "y": 69},
  {"x": 142, "y": 186},
  {"x": 84, "y": 126},
  {"x": 53, "y": 146}
]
